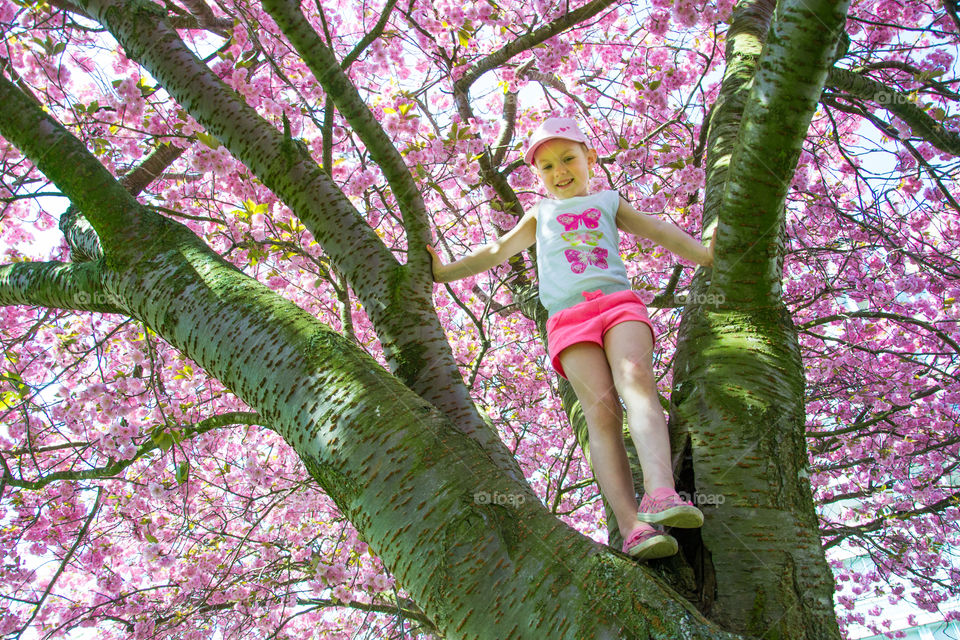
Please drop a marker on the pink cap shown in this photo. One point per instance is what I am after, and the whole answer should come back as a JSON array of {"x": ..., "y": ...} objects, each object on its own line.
[{"x": 551, "y": 129}]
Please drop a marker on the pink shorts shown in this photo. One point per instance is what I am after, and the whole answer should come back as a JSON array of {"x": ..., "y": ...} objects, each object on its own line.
[{"x": 589, "y": 320}]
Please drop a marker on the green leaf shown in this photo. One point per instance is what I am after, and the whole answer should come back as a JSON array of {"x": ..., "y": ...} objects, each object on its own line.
[
  {"x": 163, "y": 440},
  {"x": 183, "y": 472},
  {"x": 252, "y": 207},
  {"x": 208, "y": 140},
  {"x": 151, "y": 538},
  {"x": 8, "y": 400},
  {"x": 248, "y": 58},
  {"x": 926, "y": 76}
]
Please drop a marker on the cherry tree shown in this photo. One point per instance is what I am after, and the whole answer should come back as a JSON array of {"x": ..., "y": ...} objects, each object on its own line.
[{"x": 234, "y": 403}]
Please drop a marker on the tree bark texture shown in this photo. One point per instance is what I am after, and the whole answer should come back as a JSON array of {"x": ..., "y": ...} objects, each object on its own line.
[{"x": 738, "y": 380}]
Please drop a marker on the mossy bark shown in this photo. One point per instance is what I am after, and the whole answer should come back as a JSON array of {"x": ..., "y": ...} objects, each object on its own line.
[
  {"x": 738, "y": 393},
  {"x": 738, "y": 382}
]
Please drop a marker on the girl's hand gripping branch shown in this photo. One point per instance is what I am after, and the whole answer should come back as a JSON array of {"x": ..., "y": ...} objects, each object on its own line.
[
  {"x": 437, "y": 265},
  {"x": 710, "y": 250}
]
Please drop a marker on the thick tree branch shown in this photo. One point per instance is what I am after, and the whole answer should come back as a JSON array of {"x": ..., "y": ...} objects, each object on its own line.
[
  {"x": 785, "y": 91},
  {"x": 81, "y": 236},
  {"x": 152, "y": 167},
  {"x": 667, "y": 297},
  {"x": 509, "y": 120},
  {"x": 329, "y": 73},
  {"x": 57, "y": 285},
  {"x": 748, "y": 31},
  {"x": 897, "y": 103},
  {"x": 201, "y": 17},
  {"x": 205, "y": 18}
]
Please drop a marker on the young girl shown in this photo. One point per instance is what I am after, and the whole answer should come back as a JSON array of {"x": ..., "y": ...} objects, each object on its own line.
[{"x": 598, "y": 334}]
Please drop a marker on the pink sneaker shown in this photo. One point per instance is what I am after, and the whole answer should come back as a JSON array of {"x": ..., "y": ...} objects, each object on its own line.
[
  {"x": 670, "y": 511},
  {"x": 647, "y": 544}
]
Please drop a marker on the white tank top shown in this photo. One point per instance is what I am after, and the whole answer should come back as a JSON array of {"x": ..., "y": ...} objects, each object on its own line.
[{"x": 578, "y": 249}]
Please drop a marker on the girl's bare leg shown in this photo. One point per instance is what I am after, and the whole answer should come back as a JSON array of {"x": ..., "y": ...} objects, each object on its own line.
[
  {"x": 589, "y": 373},
  {"x": 629, "y": 352}
]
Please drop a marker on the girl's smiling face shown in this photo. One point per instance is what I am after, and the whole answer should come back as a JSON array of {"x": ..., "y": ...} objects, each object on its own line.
[{"x": 564, "y": 167}]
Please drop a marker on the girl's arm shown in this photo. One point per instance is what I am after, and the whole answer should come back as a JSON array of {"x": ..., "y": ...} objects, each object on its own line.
[
  {"x": 489, "y": 255},
  {"x": 666, "y": 234}
]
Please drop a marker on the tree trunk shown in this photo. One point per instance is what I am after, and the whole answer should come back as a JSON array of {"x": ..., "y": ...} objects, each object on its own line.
[{"x": 738, "y": 391}]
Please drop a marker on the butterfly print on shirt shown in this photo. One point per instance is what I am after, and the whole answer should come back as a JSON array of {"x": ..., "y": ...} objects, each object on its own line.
[
  {"x": 571, "y": 221},
  {"x": 579, "y": 259},
  {"x": 576, "y": 238}
]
